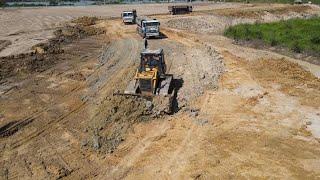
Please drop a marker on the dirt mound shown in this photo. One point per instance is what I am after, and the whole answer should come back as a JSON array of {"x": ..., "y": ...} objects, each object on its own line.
[
  {"x": 120, "y": 113},
  {"x": 258, "y": 13},
  {"x": 68, "y": 34},
  {"x": 25, "y": 63},
  {"x": 205, "y": 24},
  {"x": 47, "y": 54},
  {"x": 85, "y": 20}
]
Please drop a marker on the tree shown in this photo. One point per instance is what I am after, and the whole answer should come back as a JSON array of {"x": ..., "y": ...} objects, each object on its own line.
[
  {"x": 52, "y": 2},
  {"x": 2, "y": 3}
]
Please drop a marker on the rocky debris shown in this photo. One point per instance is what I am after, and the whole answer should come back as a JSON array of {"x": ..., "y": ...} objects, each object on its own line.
[
  {"x": 149, "y": 105},
  {"x": 162, "y": 105},
  {"x": 96, "y": 142},
  {"x": 219, "y": 67},
  {"x": 120, "y": 113},
  {"x": 63, "y": 172},
  {"x": 56, "y": 170},
  {"x": 194, "y": 112},
  {"x": 205, "y": 24}
]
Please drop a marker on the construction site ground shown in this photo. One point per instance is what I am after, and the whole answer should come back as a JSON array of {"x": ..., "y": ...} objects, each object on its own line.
[{"x": 240, "y": 112}]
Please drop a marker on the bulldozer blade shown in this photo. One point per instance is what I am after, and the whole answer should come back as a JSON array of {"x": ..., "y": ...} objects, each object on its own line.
[
  {"x": 126, "y": 94},
  {"x": 131, "y": 88},
  {"x": 165, "y": 85}
]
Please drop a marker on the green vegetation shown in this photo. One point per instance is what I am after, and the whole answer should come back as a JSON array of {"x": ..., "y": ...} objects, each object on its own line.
[
  {"x": 299, "y": 35},
  {"x": 2, "y": 3}
]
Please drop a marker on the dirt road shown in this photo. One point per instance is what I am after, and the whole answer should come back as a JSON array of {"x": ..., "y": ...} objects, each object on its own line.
[
  {"x": 236, "y": 119},
  {"x": 25, "y": 27}
]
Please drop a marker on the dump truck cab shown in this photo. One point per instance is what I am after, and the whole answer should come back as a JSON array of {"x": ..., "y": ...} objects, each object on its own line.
[
  {"x": 148, "y": 27},
  {"x": 129, "y": 16}
]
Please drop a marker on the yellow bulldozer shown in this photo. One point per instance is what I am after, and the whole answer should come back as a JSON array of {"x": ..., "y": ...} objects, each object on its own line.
[{"x": 150, "y": 78}]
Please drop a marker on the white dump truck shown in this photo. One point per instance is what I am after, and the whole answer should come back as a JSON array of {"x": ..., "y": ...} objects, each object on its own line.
[
  {"x": 129, "y": 16},
  {"x": 148, "y": 27}
]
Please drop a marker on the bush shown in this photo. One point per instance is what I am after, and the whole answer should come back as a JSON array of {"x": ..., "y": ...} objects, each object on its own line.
[
  {"x": 315, "y": 40},
  {"x": 53, "y": 2},
  {"x": 2, "y": 3},
  {"x": 296, "y": 47},
  {"x": 274, "y": 42}
]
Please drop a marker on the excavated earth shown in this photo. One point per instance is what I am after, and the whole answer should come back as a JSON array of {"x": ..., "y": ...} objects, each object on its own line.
[{"x": 239, "y": 112}]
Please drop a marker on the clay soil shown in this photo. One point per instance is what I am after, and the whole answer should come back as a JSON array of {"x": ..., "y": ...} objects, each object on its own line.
[{"x": 240, "y": 112}]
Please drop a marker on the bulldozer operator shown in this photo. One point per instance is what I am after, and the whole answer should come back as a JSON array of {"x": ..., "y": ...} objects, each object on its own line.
[{"x": 145, "y": 42}]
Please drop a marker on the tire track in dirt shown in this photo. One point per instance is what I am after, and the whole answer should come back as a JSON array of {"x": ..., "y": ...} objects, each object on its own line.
[
  {"x": 120, "y": 60},
  {"x": 122, "y": 169},
  {"x": 46, "y": 127},
  {"x": 105, "y": 73},
  {"x": 48, "y": 107},
  {"x": 176, "y": 53}
]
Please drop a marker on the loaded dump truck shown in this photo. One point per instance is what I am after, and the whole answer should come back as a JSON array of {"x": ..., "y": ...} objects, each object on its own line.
[
  {"x": 180, "y": 9},
  {"x": 148, "y": 27},
  {"x": 129, "y": 16}
]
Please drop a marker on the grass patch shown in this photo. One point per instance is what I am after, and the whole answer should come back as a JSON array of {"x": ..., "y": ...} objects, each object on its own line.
[{"x": 299, "y": 35}]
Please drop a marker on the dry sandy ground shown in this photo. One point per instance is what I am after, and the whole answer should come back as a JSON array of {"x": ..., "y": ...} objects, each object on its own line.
[{"x": 257, "y": 114}]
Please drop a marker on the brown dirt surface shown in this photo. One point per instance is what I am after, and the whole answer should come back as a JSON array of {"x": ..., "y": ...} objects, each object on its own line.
[
  {"x": 240, "y": 112},
  {"x": 293, "y": 79}
]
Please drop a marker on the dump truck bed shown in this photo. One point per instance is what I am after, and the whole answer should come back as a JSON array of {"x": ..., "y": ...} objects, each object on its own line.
[{"x": 180, "y": 9}]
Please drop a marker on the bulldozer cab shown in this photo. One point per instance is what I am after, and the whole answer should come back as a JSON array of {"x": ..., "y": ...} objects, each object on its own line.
[
  {"x": 150, "y": 78},
  {"x": 152, "y": 68},
  {"x": 152, "y": 60}
]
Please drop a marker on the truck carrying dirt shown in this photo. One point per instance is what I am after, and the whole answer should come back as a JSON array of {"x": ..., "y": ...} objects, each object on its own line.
[
  {"x": 180, "y": 9},
  {"x": 129, "y": 16},
  {"x": 148, "y": 27}
]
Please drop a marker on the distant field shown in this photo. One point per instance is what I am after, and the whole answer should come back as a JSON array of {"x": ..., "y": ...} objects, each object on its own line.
[
  {"x": 299, "y": 35},
  {"x": 275, "y": 1}
]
